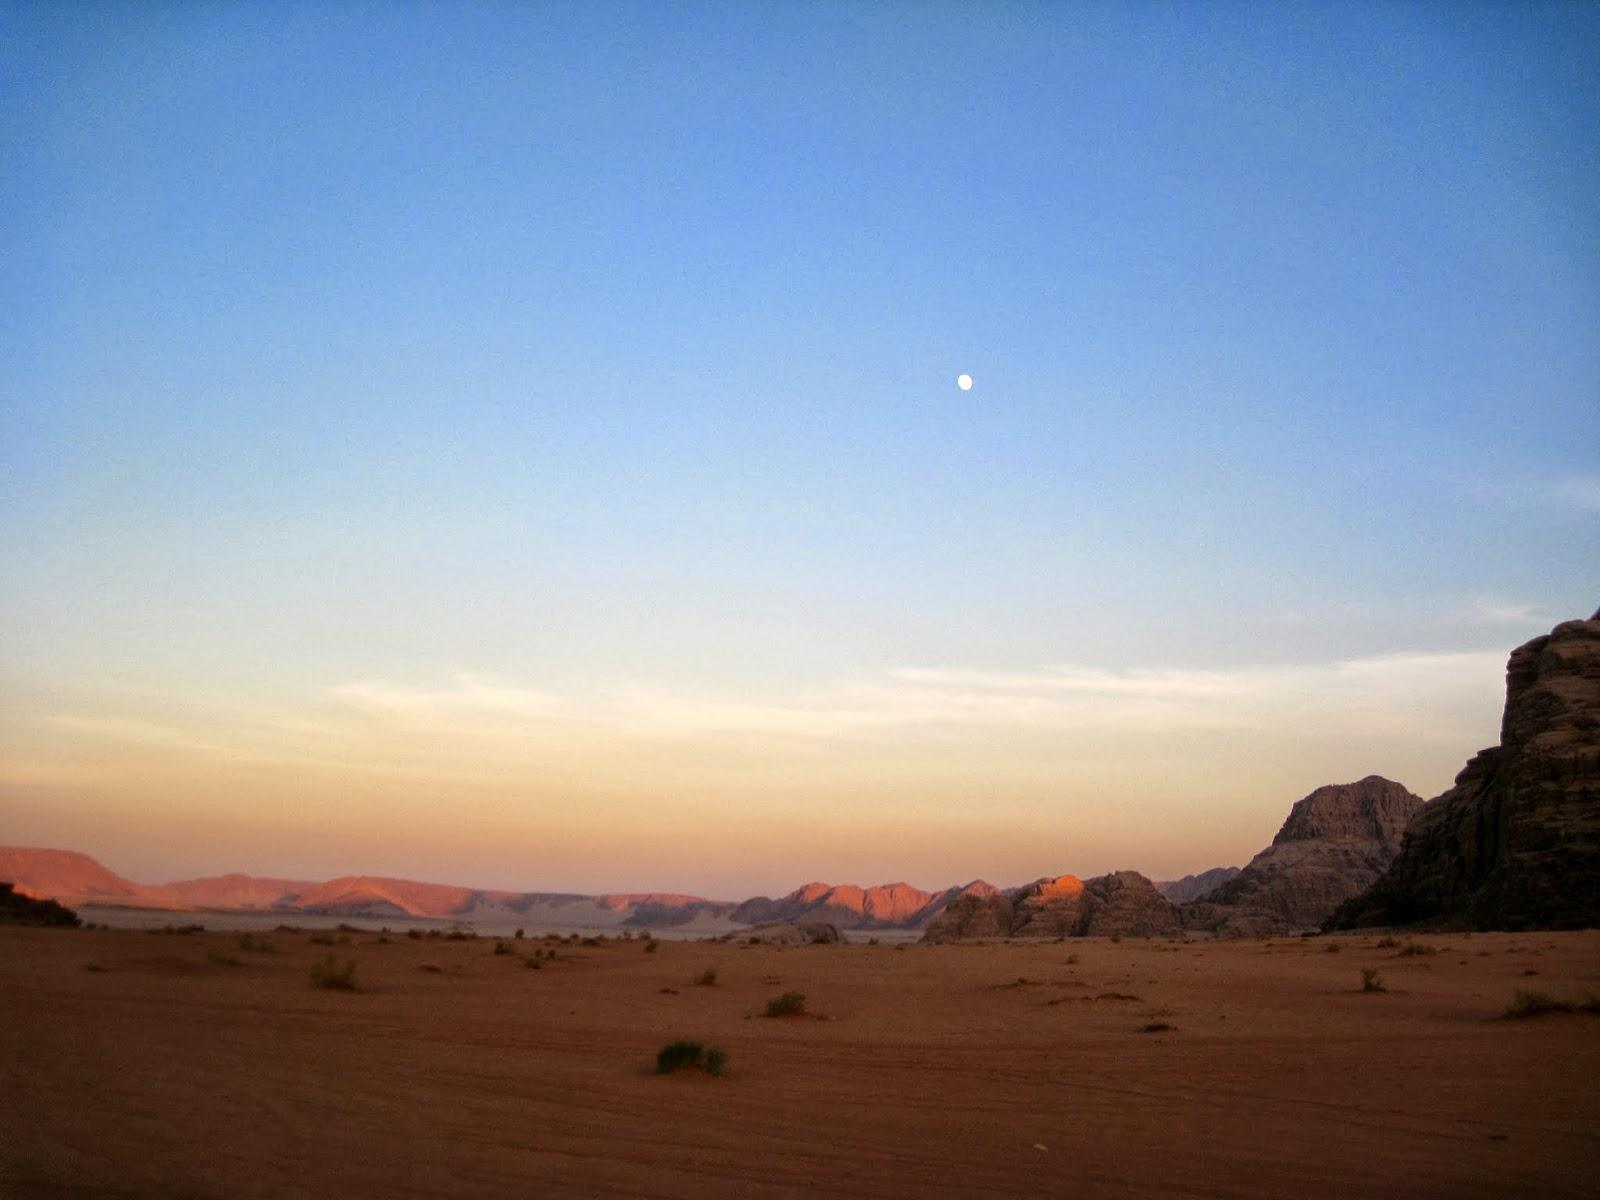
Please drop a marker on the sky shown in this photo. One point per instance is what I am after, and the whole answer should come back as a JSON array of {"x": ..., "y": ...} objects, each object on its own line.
[{"x": 518, "y": 445}]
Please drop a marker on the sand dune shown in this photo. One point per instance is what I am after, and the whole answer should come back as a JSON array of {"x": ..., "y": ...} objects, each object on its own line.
[{"x": 973, "y": 1069}]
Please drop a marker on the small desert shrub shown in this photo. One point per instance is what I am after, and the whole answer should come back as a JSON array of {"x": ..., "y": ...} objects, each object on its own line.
[
  {"x": 431, "y": 968},
  {"x": 414, "y": 934},
  {"x": 1388, "y": 943},
  {"x": 1534, "y": 1004},
  {"x": 706, "y": 978},
  {"x": 1371, "y": 980},
  {"x": 1331, "y": 948},
  {"x": 518, "y": 935},
  {"x": 1072, "y": 960},
  {"x": 681, "y": 1055},
  {"x": 461, "y": 935},
  {"x": 790, "y": 1004},
  {"x": 533, "y": 964},
  {"x": 1158, "y": 1027},
  {"x": 334, "y": 975},
  {"x": 256, "y": 945},
  {"x": 182, "y": 930},
  {"x": 651, "y": 946},
  {"x": 1116, "y": 937},
  {"x": 221, "y": 957},
  {"x": 1416, "y": 950},
  {"x": 322, "y": 939},
  {"x": 503, "y": 948}
]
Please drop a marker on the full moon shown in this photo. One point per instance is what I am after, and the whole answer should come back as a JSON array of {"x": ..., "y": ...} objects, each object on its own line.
[{"x": 964, "y": 382}]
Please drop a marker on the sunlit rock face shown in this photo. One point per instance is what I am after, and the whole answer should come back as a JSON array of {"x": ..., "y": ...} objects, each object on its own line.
[
  {"x": 1515, "y": 844},
  {"x": 1123, "y": 904},
  {"x": 1334, "y": 844}
]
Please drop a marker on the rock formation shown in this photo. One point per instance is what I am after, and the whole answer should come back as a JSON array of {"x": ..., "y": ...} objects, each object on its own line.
[
  {"x": 19, "y": 909},
  {"x": 1123, "y": 904},
  {"x": 1193, "y": 887},
  {"x": 887, "y": 906},
  {"x": 1334, "y": 844},
  {"x": 1515, "y": 844},
  {"x": 789, "y": 933}
]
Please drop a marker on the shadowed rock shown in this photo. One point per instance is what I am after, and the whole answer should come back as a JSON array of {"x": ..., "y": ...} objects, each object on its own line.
[
  {"x": 1334, "y": 844},
  {"x": 1194, "y": 887},
  {"x": 1123, "y": 903},
  {"x": 17, "y": 909},
  {"x": 1515, "y": 844}
]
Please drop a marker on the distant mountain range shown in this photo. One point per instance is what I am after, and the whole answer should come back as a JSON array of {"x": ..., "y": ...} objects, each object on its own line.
[
  {"x": 77, "y": 879},
  {"x": 1516, "y": 844}
]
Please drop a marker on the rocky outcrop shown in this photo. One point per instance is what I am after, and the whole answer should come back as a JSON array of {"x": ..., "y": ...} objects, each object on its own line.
[
  {"x": 18, "y": 909},
  {"x": 788, "y": 933},
  {"x": 1122, "y": 904},
  {"x": 1334, "y": 844},
  {"x": 1515, "y": 844},
  {"x": 1194, "y": 887},
  {"x": 887, "y": 906}
]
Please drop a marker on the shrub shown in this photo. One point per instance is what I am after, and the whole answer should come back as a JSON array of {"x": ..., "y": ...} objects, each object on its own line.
[
  {"x": 1331, "y": 948},
  {"x": 681, "y": 1055},
  {"x": 532, "y": 963},
  {"x": 706, "y": 978},
  {"x": 414, "y": 934},
  {"x": 334, "y": 975},
  {"x": 1371, "y": 981},
  {"x": 221, "y": 957},
  {"x": 1072, "y": 960},
  {"x": 790, "y": 1004},
  {"x": 1388, "y": 943},
  {"x": 256, "y": 945},
  {"x": 1416, "y": 949},
  {"x": 518, "y": 935},
  {"x": 650, "y": 946},
  {"x": 503, "y": 948},
  {"x": 322, "y": 939},
  {"x": 1158, "y": 1027}
]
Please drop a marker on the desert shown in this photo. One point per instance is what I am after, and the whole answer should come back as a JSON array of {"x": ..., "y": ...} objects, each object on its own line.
[{"x": 146, "y": 1064}]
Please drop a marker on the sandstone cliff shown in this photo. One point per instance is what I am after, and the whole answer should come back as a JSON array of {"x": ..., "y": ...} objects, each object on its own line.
[
  {"x": 1334, "y": 844},
  {"x": 1515, "y": 844}
]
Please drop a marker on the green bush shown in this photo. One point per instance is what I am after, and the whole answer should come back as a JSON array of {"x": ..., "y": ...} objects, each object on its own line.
[
  {"x": 790, "y": 1004},
  {"x": 334, "y": 975}
]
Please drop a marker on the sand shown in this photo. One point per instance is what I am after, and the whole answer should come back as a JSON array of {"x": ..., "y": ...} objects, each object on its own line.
[{"x": 133, "y": 1065}]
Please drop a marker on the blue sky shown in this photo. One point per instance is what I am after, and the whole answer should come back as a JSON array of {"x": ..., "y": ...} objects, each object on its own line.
[{"x": 606, "y": 350}]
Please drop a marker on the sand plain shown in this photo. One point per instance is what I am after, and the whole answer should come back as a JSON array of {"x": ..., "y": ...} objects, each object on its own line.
[{"x": 146, "y": 1065}]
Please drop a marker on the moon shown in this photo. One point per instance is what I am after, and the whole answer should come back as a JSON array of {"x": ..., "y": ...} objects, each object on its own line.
[{"x": 964, "y": 382}]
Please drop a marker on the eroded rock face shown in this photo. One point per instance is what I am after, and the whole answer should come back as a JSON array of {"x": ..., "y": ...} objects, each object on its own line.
[
  {"x": 1515, "y": 844},
  {"x": 1334, "y": 844},
  {"x": 1124, "y": 903}
]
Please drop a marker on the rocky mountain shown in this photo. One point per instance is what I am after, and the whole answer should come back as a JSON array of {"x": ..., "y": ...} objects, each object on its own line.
[
  {"x": 1515, "y": 844},
  {"x": 77, "y": 879},
  {"x": 1334, "y": 844},
  {"x": 887, "y": 906},
  {"x": 67, "y": 876},
  {"x": 1123, "y": 904},
  {"x": 1193, "y": 887}
]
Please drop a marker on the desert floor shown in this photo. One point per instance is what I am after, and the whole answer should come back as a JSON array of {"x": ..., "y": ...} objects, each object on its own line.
[{"x": 137, "y": 1064}]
